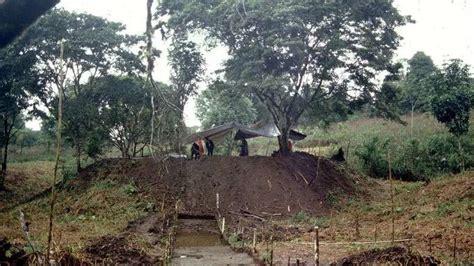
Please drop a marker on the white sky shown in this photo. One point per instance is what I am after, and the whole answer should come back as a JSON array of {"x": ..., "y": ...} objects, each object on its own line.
[{"x": 443, "y": 30}]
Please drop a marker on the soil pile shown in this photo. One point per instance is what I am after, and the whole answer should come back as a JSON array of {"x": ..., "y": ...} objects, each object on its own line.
[
  {"x": 392, "y": 255},
  {"x": 257, "y": 184}
]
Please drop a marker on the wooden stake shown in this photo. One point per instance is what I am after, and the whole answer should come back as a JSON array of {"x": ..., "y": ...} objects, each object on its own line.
[
  {"x": 217, "y": 201},
  {"x": 429, "y": 244},
  {"x": 254, "y": 243},
  {"x": 375, "y": 234},
  {"x": 58, "y": 153},
  {"x": 223, "y": 225},
  {"x": 316, "y": 246},
  {"x": 391, "y": 197},
  {"x": 271, "y": 249},
  {"x": 454, "y": 247}
]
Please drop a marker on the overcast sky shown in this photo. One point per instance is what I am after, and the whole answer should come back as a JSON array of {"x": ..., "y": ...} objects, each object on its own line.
[{"x": 443, "y": 30}]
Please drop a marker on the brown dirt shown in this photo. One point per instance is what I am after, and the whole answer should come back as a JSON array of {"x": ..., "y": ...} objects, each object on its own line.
[
  {"x": 114, "y": 250},
  {"x": 263, "y": 184},
  {"x": 392, "y": 255}
]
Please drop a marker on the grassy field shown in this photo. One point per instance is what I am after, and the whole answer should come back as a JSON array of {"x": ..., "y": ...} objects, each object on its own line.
[
  {"x": 82, "y": 213},
  {"x": 441, "y": 211}
]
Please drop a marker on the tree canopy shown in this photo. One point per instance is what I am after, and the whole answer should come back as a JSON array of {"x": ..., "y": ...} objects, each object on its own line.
[{"x": 290, "y": 54}]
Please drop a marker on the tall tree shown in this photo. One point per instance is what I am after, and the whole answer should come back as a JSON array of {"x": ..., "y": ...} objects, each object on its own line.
[
  {"x": 186, "y": 72},
  {"x": 218, "y": 105},
  {"x": 93, "y": 47},
  {"x": 125, "y": 112},
  {"x": 453, "y": 98},
  {"x": 19, "y": 84},
  {"x": 292, "y": 53},
  {"x": 387, "y": 100},
  {"x": 416, "y": 90}
]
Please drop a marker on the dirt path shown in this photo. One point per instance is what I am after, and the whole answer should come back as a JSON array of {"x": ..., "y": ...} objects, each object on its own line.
[{"x": 198, "y": 242}]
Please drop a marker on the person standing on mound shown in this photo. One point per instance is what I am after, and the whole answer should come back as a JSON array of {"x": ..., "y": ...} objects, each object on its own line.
[
  {"x": 244, "y": 148},
  {"x": 209, "y": 146}
]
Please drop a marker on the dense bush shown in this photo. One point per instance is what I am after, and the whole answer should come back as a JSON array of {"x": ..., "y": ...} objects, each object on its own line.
[{"x": 429, "y": 152}]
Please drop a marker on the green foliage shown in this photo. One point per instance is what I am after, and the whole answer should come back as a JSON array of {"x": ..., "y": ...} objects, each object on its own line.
[
  {"x": 429, "y": 152},
  {"x": 19, "y": 82},
  {"x": 453, "y": 97},
  {"x": 373, "y": 154},
  {"x": 417, "y": 83},
  {"x": 387, "y": 100},
  {"x": 130, "y": 189},
  {"x": 124, "y": 112},
  {"x": 235, "y": 240},
  {"x": 93, "y": 47},
  {"x": 221, "y": 103},
  {"x": 290, "y": 54},
  {"x": 187, "y": 68},
  {"x": 303, "y": 218}
]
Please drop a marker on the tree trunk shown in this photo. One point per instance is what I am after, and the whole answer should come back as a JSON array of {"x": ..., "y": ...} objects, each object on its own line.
[
  {"x": 3, "y": 174},
  {"x": 284, "y": 125},
  {"x": 283, "y": 141},
  {"x": 461, "y": 153},
  {"x": 78, "y": 157},
  {"x": 4, "y": 163},
  {"x": 412, "y": 114}
]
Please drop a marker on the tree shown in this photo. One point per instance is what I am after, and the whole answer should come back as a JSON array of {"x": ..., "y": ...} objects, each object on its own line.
[
  {"x": 416, "y": 90},
  {"x": 125, "y": 112},
  {"x": 93, "y": 47},
  {"x": 290, "y": 54},
  {"x": 387, "y": 100},
  {"x": 186, "y": 70},
  {"x": 453, "y": 98},
  {"x": 216, "y": 106},
  {"x": 18, "y": 84}
]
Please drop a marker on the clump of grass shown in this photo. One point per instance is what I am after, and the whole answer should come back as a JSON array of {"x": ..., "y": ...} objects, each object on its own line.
[{"x": 304, "y": 218}]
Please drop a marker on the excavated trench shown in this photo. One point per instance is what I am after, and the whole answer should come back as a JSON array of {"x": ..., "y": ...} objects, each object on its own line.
[{"x": 199, "y": 242}]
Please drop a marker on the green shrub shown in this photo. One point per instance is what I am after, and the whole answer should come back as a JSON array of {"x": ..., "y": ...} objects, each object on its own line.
[{"x": 373, "y": 156}]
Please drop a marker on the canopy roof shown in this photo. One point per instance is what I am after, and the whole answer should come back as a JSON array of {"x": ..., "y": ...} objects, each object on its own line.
[{"x": 218, "y": 133}]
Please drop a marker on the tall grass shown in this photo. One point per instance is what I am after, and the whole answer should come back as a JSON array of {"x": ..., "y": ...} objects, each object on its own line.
[{"x": 430, "y": 151}]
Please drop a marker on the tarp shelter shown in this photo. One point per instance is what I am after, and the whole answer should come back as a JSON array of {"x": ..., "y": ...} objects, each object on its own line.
[{"x": 242, "y": 132}]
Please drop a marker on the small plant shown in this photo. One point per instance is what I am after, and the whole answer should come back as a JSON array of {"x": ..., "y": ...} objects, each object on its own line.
[
  {"x": 130, "y": 189},
  {"x": 300, "y": 217},
  {"x": 235, "y": 240}
]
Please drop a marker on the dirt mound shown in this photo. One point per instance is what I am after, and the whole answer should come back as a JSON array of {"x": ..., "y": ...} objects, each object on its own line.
[
  {"x": 109, "y": 249},
  {"x": 392, "y": 255},
  {"x": 257, "y": 184},
  {"x": 283, "y": 185}
]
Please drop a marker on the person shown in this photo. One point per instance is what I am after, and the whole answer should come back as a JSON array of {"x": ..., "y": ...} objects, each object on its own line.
[
  {"x": 209, "y": 146},
  {"x": 201, "y": 147},
  {"x": 244, "y": 148},
  {"x": 195, "y": 151}
]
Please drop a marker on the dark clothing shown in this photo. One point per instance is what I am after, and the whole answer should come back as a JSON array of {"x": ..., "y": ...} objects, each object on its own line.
[
  {"x": 244, "y": 148},
  {"x": 339, "y": 156},
  {"x": 195, "y": 152},
  {"x": 209, "y": 147}
]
